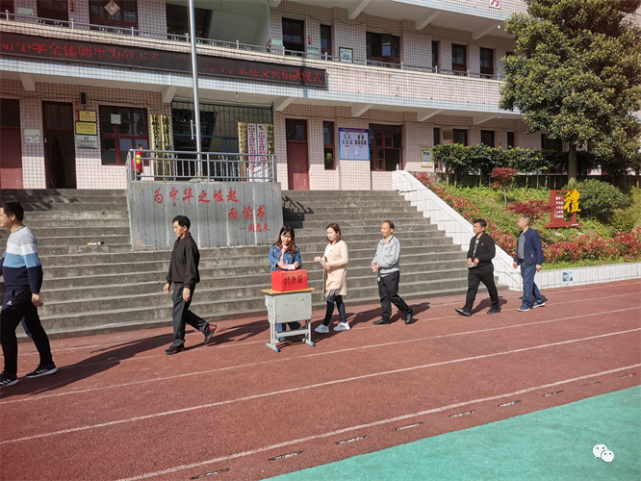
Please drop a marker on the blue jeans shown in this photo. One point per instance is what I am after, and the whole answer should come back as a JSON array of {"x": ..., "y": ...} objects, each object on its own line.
[
  {"x": 529, "y": 287},
  {"x": 292, "y": 327}
]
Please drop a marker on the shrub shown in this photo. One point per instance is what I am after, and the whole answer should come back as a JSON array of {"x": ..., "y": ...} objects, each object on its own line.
[
  {"x": 534, "y": 209},
  {"x": 598, "y": 200},
  {"x": 504, "y": 177},
  {"x": 623, "y": 221}
]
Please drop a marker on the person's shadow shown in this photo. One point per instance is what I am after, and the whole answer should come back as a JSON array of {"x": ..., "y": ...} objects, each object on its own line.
[{"x": 103, "y": 360}]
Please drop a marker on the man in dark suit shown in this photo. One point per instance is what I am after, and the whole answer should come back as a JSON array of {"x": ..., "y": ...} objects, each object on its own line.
[
  {"x": 479, "y": 261},
  {"x": 529, "y": 255}
]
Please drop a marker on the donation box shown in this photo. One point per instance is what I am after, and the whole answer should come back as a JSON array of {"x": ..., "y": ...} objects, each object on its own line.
[{"x": 283, "y": 281}]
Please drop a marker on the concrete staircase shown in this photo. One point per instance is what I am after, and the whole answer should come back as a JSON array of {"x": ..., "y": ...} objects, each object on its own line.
[{"x": 97, "y": 289}]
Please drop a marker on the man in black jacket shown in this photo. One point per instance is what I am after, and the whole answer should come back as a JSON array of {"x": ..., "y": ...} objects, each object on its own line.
[
  {"x": 479, "y": 261},
  {"x": 183, "y": 272}
]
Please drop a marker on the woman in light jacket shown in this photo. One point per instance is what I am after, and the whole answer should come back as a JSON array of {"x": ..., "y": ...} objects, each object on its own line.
[
  {"x": 285, "y": 255},
  {"x": 334, "y": 262}
]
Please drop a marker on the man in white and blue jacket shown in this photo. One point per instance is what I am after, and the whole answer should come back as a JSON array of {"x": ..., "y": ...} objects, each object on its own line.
[
  {"x": 529, "y": 255},
  {"x": 22, "y": 272},
  {"x": 386, "y": 263}
]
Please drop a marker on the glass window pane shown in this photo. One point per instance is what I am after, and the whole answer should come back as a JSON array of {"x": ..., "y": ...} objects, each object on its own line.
[
  {"x": 125, "y": 115},
  {"x": 379, "y": 141},
  {"x": 388, "y": 141},
  {"x": 123, "y": 157},
  {"x": 126, "y": 144},
  {"x": 124, "y": 128},
  {"x": 108, "y": 144},
  {"x": 108, "y": 158},
  {"x": 141, "y": 129},
  {"x": 139, "y": 116},
  {"x": 106, "y": 127}
]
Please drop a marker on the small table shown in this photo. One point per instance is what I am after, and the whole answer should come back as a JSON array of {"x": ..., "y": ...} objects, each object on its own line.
[{"x": 289, "y": 306}]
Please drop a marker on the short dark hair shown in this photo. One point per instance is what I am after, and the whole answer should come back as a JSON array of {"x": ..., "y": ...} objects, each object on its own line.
[
  {"x": 390, "y": 223},
  {"x": 13, "y": 208},
  {"x": 480, "y": 221},
  {"x": 183, "y": 221}
]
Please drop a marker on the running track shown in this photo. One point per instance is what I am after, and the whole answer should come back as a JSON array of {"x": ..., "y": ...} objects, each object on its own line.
[{"x": 121, "y": 409}]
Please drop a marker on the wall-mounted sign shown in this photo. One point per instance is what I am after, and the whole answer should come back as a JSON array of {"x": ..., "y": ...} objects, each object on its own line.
[
  {"x": 14, "y": 44},
  {"x": 448, "y": 135},
  {"x": 568, "y": 276},
  {"x": 495, "y": 4},
  {"x": 32, "y": 136},
  {"x": 560, "y": 201},
  {"x": 346, "y": 54},
  {"x": 87, "y": 142},
  {"x": 313, "y": 53},
  {"x": 24, "y": 11},
  {"x": 86, "y": 116},
  {"x": 354, "y": 144},
  {"x": 426, "y": 157},
  {"x": 115, "y": 119},
  {"x": 86, "y": 128}
]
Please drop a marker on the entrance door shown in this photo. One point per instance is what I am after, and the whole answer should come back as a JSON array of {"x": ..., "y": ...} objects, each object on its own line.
[
  {"x": 10, "y": 146},
  {"x": 60, "y": 153},
  {"x": 297, "y": 155}
]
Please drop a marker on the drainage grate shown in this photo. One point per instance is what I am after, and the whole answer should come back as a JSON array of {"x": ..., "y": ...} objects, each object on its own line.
[
  {"x": 409, "y": 426},
  {"x": 462, "y": 414},
  {"x": 210, "y": 474},
  {"x": 509, "y": 404},
  {"x": 283, "y": 456},
  {"x": 628, "y": 375},
  {"x": 552, "y": 393},
  {"x": 352, "y": 440},
  {"x": 591, "y": 383}
]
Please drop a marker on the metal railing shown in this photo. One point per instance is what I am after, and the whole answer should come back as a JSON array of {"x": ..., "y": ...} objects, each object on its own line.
[
  {"x": 237, "y": 45},
  {"x": 169, "y": 165}
]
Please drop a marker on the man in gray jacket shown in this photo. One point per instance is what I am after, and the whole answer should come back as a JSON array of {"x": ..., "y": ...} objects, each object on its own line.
[{"x": 386, "y": 263}]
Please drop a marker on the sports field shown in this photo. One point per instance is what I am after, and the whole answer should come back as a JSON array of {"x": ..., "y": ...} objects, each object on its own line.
[{"x": 514, "y": 396}]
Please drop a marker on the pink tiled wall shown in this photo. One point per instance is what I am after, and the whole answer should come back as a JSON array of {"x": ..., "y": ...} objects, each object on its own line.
[{"x": 90, "y": 173}]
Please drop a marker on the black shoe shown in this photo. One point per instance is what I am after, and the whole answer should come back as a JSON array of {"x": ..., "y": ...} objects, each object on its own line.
[
  {"x": 174, "y": 350},
  {"x": 210, "y": 333},
  {"x": 382, "y": 321},
  {"x": 494, "y": 310},
  {"x": 6, "y": 381},
  {"x": 409, "y": 315},
  {"x": 43, "y": 370},
  {"x": 463, "y": 312}
]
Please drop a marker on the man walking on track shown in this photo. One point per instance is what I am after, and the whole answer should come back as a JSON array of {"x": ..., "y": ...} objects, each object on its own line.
[
  {"x": 479, "y": 262},
  {"x": 386, "y": 263},
  {"x": 22, "y": 272},
  {"x": 529, "y": 255},
  {"x": 183, "y": 272}
]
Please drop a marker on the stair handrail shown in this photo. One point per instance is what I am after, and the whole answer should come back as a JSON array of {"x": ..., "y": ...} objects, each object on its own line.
[{"x": 453, "y": 224}]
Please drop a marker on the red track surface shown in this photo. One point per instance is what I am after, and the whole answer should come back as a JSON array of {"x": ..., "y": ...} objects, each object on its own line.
[{"x": 121, "y": 409}]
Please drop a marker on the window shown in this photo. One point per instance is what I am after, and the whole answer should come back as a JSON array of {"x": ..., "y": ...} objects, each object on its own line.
[
  {"x": 178, "y": 20},
  {"x": 296, "y": 130},
  {"x": 328, "y": 142},
  {"x": 509, "y": 54},
  {"x": 510, "y": 140},
  {"x": 551, "y": 144},
  {"x": 383, "y": 48},
  {"x": 385, "y": 151},
  {"x": 54, "y": 10},
  {"x": 293, "y": 35},
  {"x": 6, "y": 5},
  {"x": 326, "y": 40},
  {"x": 126, "y": 17},
  {"x": 459, "y": 58},
  {"x": 117, "y": 138},
  {"x": 460, "y": 136},
  {"x": 435, "y": 63},
  {"x": 487, "y": 138},
  {"x": 437, "y": 136},
  {"x": 487, "y": 63}
]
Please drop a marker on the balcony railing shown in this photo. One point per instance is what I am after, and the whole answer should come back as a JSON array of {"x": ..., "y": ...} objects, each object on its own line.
[
  {"x": 237, "y": 45},
  {"x": 168, "y": 165}
]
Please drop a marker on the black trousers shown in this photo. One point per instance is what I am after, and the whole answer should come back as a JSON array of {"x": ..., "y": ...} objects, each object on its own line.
[
  {"x": 388, "y": 292},
  {"x": 476, "y": 275},
  {"x": 17, "y": 306},
  {"x": 183, "y": 316}
]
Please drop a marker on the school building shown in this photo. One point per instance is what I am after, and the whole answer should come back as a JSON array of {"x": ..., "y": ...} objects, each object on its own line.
[{"x": 349, "y": 90}]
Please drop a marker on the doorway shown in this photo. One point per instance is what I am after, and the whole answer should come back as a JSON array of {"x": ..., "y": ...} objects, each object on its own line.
[
  {"x": 297, "y": 154},
  {"x": 60, "y": 153},
  {"x": 10, "y": 145}
]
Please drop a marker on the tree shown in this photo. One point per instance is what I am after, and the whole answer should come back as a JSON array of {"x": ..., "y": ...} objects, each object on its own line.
[
  {"x": 576, "y": 74},
  {"x": 504, "y": 177}
]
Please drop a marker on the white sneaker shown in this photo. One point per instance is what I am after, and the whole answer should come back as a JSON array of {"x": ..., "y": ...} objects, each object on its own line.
[
  {"x": 322, "y": 329},
  {"x": 342, "y": 326}
]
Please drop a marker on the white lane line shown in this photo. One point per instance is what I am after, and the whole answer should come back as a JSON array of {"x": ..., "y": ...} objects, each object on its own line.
[
  {"x": 370, "y": 425},
  {"x": 296, "y": 358},
  {"x": 243, "y": 328},
  {"x": 312, "y": 386}
]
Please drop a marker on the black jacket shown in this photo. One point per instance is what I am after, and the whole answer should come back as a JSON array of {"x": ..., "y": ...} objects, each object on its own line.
[
  {"x": 183, "y": 268},
  {"x": 485, "y": 251}
]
